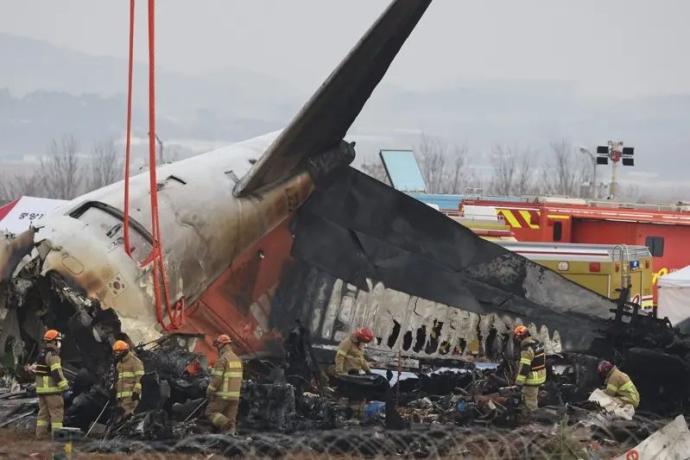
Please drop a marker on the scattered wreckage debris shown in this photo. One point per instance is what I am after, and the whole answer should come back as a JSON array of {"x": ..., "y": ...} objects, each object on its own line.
[
  {"x": 464, "y": 411},
  {"x": 441, "y": 398},
  {"x": 671, "y": 441},
  {"x": 434, "y": 293}
]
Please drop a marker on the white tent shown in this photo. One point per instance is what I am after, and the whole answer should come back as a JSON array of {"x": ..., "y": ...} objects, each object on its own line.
[{"x": 674, "y": 296}]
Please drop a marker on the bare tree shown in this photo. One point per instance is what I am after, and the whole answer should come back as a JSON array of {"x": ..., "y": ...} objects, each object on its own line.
[
  {"x": 512, "y": 170},
  {"x": 22, "y": 185},
  {"x": 431, "y": 156},
  {"x": 630, "y": 192},
  {"x": 105, "y": 165},
  {"x": 60, "y": 170},
  {"x": 563, "y": 168},
  {"x": 524, "y": 179},
  {"x": 458, "y": 174},
  {"x": 567, "y": 171},
  {"x": 473, "y": 184},
  {"x": 376, "y": 170},
  {"x": 503, "y": 162},
  {"x": 173, "y": 153},
  {"x": 5, "y": 193},
  {"x": 443, "y": 168}
]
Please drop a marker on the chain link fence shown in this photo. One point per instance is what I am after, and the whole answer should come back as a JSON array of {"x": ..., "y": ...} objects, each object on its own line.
[{"x": 595, "y": 437}]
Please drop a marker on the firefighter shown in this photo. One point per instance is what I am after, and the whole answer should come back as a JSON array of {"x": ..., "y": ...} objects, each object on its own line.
[
  {"x": 531, "y": 373},
  {"x": 618, "y": 384},
  {"x": 50, "y": 384},
  {"x": 128, "y": 372},
  {"x": 223, "y": 391},
  {"x": 350, "y": 357}
]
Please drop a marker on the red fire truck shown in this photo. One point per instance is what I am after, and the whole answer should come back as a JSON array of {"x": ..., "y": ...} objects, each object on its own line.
[{"x": 665, "y": 230}]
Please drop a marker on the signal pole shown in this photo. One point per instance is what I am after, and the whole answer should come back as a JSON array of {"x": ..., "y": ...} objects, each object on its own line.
[
  {"x": 615, "y": 152},
  {"x": 615, "y": 156}
]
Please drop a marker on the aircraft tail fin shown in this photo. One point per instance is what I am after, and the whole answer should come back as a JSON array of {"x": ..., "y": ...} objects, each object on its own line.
[{"x": 324, "y": 120}]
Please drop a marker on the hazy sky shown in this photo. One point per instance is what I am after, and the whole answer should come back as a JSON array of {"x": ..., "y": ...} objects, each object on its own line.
[{"x": 621, "y": 48}]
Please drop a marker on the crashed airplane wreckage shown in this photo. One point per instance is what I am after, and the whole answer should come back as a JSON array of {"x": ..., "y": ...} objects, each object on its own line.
[{"x": 279, "y": 230}]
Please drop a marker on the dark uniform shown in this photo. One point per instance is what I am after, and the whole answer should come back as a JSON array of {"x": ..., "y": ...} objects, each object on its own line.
[
  {"x": 223, "y": 391},
  {"x": 129, "y": 371},
  {"x": 532, "y": 371},
  {"x": 350, "y": 357},
  {"x": 50, "y": 385}
]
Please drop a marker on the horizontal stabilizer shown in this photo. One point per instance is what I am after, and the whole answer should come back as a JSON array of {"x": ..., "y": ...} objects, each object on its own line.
[{"x": 358, "y": 229}]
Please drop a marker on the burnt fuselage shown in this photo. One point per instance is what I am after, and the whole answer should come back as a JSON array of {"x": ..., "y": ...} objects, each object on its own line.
[{"x": 204, "y": 228}]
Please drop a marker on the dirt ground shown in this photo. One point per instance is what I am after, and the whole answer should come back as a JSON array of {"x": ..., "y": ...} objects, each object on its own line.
[
  {"x": 19, "y": 444},
  {"x": 22, "y": 445}
]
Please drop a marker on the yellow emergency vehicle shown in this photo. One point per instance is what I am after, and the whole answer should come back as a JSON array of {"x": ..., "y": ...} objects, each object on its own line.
[{"x": 602, "y": 268}]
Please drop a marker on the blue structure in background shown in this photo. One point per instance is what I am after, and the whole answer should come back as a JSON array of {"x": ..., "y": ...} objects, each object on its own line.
[
  {"x": 441, "y": 200},
  {"x": 404, "y": 175},
  {"x": 402, "y": 170},
  {"x": 444, "y": 201}
]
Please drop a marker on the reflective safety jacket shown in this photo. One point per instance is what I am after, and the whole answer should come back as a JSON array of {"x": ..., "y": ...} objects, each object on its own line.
[
  {"x": 129, "y": 371},
  {"x": 49, "y": 377},
  {"x": 350, "y": 357},
  {"x": 619, "y": 385},
  {"x": 532, "y": 370},
  {"x": 226, "y": 377}
]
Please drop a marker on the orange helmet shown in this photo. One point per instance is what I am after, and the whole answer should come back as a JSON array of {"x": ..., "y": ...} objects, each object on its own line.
[
  {"x": 520, "y": 331},
  {"x": 120, "y": 346},
  {"x": 51, "y": 335},
  {"x": 222, "y": 339},
  {"x": 364, "y": 334}
]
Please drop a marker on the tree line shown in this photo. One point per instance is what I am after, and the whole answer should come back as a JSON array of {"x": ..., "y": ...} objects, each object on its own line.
[
  {"x": 561, "y": 170},
  {"x": 64, "y": 172}
]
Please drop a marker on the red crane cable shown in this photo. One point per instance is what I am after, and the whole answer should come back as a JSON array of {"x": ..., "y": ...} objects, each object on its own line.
[
  {"x": 160, "y": 277},
  {"x": 128, "y": 248},
  {"x": 174, "y": 311}
]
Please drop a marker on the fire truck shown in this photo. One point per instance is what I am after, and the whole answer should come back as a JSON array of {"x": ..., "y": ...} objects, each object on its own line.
[
  {"x": 602, "y": 268},
  {"x": 665, "y": 230},
  {"x": 483, "y": 221}
]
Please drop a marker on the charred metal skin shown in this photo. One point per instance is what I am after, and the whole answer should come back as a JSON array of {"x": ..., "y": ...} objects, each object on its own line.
[
  {"x": 363, "y": 254},
  {"x": 217, "y": 207},
  {"x": 13, "y": 250},
  {"x": 206, "y": 226},
  {"x": 418, "y": 277},
  {"x": 213, "y": 208}
]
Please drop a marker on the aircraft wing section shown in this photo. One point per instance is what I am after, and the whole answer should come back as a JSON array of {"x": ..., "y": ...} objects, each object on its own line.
[
  {"x": 358, "y": 229},
  {"x": 322, "y": 123}
]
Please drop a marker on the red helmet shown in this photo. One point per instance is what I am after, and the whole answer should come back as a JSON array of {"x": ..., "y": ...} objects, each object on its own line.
[
  {"x": 363, "y": 334},
  {"x": 604, "y": 368},
  {"x": 51, "y": 335},
  {"x": 222, "y": 339},
  {"x": 520, "y": 331}
]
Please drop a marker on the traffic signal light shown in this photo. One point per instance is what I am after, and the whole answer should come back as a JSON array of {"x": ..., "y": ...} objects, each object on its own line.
[{"x": 628, "y": 159}]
